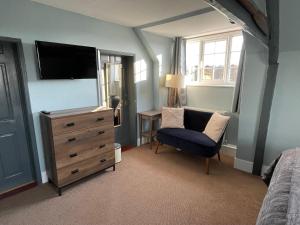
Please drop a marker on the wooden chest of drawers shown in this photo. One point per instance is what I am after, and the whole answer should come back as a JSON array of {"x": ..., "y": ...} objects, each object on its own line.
[{"x": 77, "y": 143}]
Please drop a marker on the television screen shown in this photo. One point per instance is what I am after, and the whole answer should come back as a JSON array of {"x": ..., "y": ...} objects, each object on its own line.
[{"x": 63, "y": 61}]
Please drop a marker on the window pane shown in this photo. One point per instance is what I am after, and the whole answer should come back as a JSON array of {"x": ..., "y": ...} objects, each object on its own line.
[
  {"x": 233, "y": 73},
  {"x": 209, "y": 47},
  {"x": 208, "y": 60},
  {"x": 159, "y": 59},
  {"x": 137, "y": 65},
  {"x": 208, "y": 73},
  {"x": 208, "y": 66},
  {"x": 234, "y": 64},
  {"x": 237, "y": 43},
  {"x": 143, "y": 65},
  {"x": 236, "y": 46},
  {"x": 192, "y": 59},
  {"x": 144, "y": 75},
  {"x": 235, "y": 58},
  {"x": 220, "y": 47},
  {"x": 219, "y": 73},
  {"x": 195, "y": 73},
  {"x": 192, "y": 73},
  {"x": 219, "y": 60},
  {"x": 140, "y": 70},
  {"x": 192, "y": 53}
]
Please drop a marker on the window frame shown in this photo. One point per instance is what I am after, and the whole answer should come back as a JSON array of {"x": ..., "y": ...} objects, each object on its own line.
[{"x": 211, "y": 38}]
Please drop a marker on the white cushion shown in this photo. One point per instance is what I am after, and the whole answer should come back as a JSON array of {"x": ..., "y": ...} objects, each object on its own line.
[
  {"x": 172, "y": 117},
  {"x": 216, "y": 126}
]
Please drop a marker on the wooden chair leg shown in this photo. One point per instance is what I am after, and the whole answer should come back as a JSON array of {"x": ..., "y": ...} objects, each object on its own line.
[
  {"x": 219, "y": 157},
  {"x": 158, "y": 144},
  {"x": 207, "y": 160}
]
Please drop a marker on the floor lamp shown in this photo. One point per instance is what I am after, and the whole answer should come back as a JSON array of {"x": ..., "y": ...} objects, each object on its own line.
[{"x": 176, "y": 82}]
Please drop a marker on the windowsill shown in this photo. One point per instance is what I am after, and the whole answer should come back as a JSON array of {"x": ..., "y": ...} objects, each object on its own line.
[{"x": 210, "y": 85}]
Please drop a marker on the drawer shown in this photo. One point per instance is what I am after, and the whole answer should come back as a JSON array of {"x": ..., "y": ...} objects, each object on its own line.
[
  {"x": 73, "y": 123},
  {"x": 70, "y": 156},
  {"x": 76, "y": 171},
  {"x": 84, "y": 139}
]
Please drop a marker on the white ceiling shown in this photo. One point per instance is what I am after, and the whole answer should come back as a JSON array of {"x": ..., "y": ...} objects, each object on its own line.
[
  {"x": 204, "y": 24},
  {"x": 128, "y": 12},
  {"x": 139, "y": 12}
]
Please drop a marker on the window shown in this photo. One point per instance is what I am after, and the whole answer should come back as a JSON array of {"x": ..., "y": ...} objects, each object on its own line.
[
  {"x": 192, "y": 60},
  {"x": 213, "y": 60},
  {"x": 235, "y": 52},
  {"x": 140, "y": 71},
  {"x": 160, "y": 68}
]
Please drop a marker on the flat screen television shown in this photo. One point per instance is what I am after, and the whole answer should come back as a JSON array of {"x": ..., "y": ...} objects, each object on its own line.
[{"x": 64, "y": 61}]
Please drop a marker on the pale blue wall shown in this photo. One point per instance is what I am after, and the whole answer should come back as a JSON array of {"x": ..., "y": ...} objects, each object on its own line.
[
  {"x": 209, "y": 97},
  {"x": 284, "y": 127},
  {"x": 32, "y": 21},
  {"x": 231, "y": 135},
  {"x": 161, "y": 46},
  {"x": 216, "y": 99},
  {"x": 255, "y": 71}
]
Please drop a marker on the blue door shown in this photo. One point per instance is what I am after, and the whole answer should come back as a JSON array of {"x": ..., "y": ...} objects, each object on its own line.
[{"x": 15, "y": 161}]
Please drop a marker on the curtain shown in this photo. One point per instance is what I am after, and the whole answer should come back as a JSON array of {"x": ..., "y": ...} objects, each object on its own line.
[
  {"x": 178, "y": 67},
  {"x": 239, "y": 81}
]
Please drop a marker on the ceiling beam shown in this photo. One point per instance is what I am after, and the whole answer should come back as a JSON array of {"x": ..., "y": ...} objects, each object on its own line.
[
  {"x": 175, "y": 18},
  {"x": 273, "y": 15},
  {"x": 239, "y": 14},
  {"x": 257, "y": 15}
]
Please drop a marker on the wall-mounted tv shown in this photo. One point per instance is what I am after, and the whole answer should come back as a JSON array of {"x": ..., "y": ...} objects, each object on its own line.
[{"x": 64, "y": 61}]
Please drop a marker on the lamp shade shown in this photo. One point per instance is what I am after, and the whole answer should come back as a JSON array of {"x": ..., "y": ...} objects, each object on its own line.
[{"x": 175, "y": 81}]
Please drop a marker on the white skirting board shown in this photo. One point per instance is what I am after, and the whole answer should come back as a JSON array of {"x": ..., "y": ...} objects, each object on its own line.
[
  {"x": 144, "y": 141},
  {"x": 264, "y": 169},
  {"x": 229, "y": 150},
  {"x": 246, "y": 166},
  {"x": 44, "y": 177},
  {"x": 243, "y": 165}
]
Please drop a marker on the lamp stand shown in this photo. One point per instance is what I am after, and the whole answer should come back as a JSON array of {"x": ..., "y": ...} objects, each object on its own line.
[
  {"x": 174, "y": 98},
  {"x": 178, "y": 101}
]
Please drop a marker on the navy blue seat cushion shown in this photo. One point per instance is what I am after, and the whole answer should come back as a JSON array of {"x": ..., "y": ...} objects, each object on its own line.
[
  {"x": 188, "y": 140},
  {"x": 193, "y": 136}
]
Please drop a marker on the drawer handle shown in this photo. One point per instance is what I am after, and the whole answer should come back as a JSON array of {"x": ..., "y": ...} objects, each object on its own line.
[
  {"x": 102, "y": 160},
  {"x": 71, "y": 139},
  {"x": 70, "y": 124},
  {"x": 74, "y": 171},
  {"x": 101, "y": 132},
  {"x": 102, "y": 146},
  {"x": 73, "y": 155},
  {"x": 100, "y": 119}
]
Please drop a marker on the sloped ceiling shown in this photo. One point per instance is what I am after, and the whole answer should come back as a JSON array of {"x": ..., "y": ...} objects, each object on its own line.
[
  {"x": 134, "y": 13},
  {"x": 204, "y": 24}
]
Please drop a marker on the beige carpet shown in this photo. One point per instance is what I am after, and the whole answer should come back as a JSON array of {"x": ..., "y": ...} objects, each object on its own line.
[{"x": 170, "y": 188}]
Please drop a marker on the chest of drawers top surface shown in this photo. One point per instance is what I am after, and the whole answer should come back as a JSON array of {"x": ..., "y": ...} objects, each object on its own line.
[
  {"x": 65, "y": 121},
  {"x": 77, "y": 111}
]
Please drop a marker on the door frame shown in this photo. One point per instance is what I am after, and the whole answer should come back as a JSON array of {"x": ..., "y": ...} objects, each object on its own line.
[
  {"x": 133, "y": 109},
  {"x": 25, "y": 103}
]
